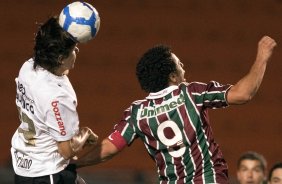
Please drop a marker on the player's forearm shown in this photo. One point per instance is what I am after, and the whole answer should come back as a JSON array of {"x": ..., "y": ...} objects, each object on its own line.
[
  {"x": 65, "y": 149},
  {"x": 245, "y": 89},
  {"x": 102, "y": 152}
]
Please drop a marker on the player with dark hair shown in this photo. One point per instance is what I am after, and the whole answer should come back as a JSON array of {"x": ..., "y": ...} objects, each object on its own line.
[
  {"x": 172, "y": 120},
  {"x": 49, "y": 133},
  {"x": 251, "y": 168},
  {"x": 275, "y": 174}
]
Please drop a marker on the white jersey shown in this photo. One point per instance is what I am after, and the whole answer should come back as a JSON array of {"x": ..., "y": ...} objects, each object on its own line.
[{"x": 47, "y": 111}]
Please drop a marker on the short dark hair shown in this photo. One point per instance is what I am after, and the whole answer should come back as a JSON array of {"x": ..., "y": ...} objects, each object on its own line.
[
  {"x": 278, "y": 165},
  {"x": 51, "y": 42},
  {"x": 154, "y": 68},
  {"x": 251, "y": 155}
]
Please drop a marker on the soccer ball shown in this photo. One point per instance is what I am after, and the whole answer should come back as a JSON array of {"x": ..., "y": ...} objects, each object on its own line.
[{"x": 81, "y": 20}]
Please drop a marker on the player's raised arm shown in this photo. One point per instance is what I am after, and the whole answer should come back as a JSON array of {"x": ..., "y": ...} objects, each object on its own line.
[{"x": 244, "y": 90}]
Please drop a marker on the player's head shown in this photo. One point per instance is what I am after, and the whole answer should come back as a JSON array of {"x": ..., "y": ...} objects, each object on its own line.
[
  {"x": 275, "y": 174},
  {"x": 52, "y": 45},
  {"x": 251, "y": 168},
  {"x": 158, "y": 68}
]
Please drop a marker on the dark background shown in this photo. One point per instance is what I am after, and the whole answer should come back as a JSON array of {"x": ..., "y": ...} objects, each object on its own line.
[{"x": 216, "y": 40}]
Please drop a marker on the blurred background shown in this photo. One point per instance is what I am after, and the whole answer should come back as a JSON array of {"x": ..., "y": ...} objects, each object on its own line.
[{"x": 216, "y": 40}]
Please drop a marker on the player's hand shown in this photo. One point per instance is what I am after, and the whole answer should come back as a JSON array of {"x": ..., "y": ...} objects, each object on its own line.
[
  {"x": 86, "y": 145},
  {"x": 93, "y": 138},
  {"x": 84, "y": 137},
  {"x": 265, "y": 48}
]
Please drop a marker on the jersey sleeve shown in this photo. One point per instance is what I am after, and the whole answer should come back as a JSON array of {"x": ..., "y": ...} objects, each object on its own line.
[
  {"x": 124, "y": 132},
  {"x": 209, "y": 95},
  {"x": 62, "y": 118},
  {"x": 117, "y": 139}
]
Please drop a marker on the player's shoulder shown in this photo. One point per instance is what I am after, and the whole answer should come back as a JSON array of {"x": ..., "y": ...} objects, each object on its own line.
[
  {"x": 47, "y": 88},
  {"x": 50, "y": 90},
  {"x": 194, "y": 83},
  {"x": 138, "y": 102},
  {"x": 193, "y": 86}
]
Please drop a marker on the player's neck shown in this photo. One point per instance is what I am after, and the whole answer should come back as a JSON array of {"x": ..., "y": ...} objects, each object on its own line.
[{"x": 60, "y": 72}]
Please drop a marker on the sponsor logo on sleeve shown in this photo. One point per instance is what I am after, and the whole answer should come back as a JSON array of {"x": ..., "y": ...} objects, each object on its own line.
[{"x": 58, "y": 117}]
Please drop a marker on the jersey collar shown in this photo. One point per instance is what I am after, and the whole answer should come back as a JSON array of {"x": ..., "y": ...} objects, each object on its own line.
[{"x": 162, "y": 93}]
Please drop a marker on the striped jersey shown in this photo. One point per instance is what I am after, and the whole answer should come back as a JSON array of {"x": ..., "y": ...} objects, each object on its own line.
[{"x": 175, "y": 128}]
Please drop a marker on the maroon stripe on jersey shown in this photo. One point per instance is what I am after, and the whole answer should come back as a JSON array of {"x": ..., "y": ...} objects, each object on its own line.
[
  {"x": 158, "y": 101},
  {"x": 121, "y": 126},
  {"x": 164, "y": 182},
  {"x": 182, "y": 174},
  {"x": 176, "y": 92},
  {"x": 180, "y": 168},
  {"x": 219, "y": 163},
  {"x": 145, "y": 128},
  {"x": 161, "y": 165},
  {"x": 191, "y": 134},
  {"x": 161, "y": 118}
]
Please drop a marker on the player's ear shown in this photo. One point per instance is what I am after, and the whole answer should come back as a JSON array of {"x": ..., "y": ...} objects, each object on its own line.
[
  {"x": 173, "y": 77},
  {"x": 61, "y": 59},
  {"x": 76, "y": 49}
]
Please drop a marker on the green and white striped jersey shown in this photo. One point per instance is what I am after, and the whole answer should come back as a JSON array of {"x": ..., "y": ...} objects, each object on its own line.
[{"x": 175, "y": 128}]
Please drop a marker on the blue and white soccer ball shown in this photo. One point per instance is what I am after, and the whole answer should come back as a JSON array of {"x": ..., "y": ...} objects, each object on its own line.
[{"x": 81, "y": 20}]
